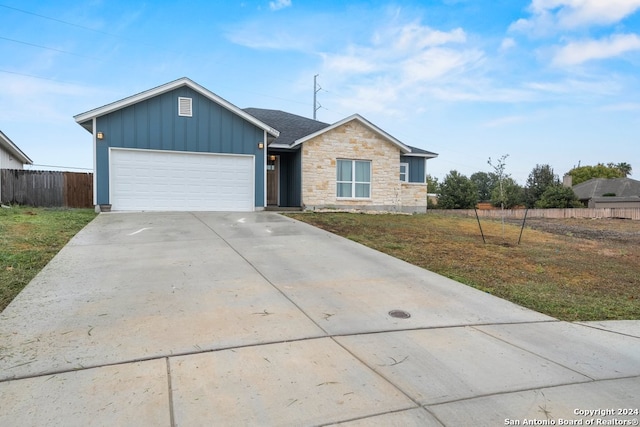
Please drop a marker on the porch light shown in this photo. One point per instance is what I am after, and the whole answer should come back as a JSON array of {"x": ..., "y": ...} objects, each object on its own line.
[
  {"x": 260, "y": 145},
  {"x": 272, "y": 158},
  {"x": 100, "y": 135}
]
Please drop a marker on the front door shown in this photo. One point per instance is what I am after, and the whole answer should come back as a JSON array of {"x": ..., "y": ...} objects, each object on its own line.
[{"x": 272, "y": 180}]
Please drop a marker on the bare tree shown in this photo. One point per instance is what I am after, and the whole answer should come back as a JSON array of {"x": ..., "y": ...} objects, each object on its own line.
[{"x": 498, "y": 169}]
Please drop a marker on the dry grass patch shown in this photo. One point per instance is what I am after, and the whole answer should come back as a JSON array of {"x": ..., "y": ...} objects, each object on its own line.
[{"x": 573, "y": 270}]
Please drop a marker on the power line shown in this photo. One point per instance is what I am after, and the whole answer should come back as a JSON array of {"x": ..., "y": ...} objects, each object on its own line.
[
  {"x": 49, "y": 48},
  {"x": 141, "y": 43},
  {"x": 41, "y": 78},
  {"x": 58, "y": 20},
  {"x": 95, "y": 31}
]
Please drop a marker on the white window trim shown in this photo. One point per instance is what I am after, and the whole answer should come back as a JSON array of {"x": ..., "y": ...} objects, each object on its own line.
[
  {"x": 353, "y": 181},
  {"x": 185, "y": 106},
  {"x": 406, "y": 172}
]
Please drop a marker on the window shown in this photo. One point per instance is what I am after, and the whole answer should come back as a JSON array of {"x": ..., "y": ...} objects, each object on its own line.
[
  {"x": 404, "y": 172},
  {"x": 353, "y": 179},
  {"x": 185, "y": 107}
]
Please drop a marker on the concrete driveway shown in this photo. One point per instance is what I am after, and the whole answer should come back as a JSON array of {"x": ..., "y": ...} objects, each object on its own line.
[{"x": 188, "y": 319}]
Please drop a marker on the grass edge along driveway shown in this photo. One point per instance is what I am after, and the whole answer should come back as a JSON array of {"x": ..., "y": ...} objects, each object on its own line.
[
  {"x": 29, "y": 239},
  {"x": 561, "y": 275}
]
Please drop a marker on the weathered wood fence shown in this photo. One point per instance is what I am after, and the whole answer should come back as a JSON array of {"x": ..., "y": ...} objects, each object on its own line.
[
  {"x": 625, "y": 213},
  {"x": 46, "y": 188}
]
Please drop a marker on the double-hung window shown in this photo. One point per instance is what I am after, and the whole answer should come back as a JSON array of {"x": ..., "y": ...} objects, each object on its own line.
[
  {"x": 404, "y": 172},
  {"x": 353, "y": 179}
]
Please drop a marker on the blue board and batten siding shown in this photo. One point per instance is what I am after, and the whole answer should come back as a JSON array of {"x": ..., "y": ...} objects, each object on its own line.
[
  {"x": 417, "y": 167},
  {"x": 154, "y": 124}
]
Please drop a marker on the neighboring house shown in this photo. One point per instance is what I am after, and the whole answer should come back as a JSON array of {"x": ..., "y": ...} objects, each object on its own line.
[
  {"x": 609, "y": 193},
  {"x": 12, "y": 157},
  {"x": 181, "y": 147}
]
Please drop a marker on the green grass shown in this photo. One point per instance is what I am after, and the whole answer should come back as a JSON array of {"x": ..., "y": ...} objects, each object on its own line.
[
  {"x": 29, "y": 239},
  {"x": 564, "y": 276}
]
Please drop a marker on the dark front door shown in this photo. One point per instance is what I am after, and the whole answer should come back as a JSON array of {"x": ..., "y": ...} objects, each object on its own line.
[{"x": 272, "y": 180}]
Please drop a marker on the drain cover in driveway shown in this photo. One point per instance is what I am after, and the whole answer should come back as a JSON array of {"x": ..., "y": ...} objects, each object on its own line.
[{"x": 400, "y": 314}]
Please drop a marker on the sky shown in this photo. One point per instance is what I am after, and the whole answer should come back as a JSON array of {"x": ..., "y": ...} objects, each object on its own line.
[{"x": 545, "y": 82}]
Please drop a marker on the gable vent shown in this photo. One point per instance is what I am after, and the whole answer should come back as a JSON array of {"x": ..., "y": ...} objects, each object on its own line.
[{"x": 185, "y": 107}]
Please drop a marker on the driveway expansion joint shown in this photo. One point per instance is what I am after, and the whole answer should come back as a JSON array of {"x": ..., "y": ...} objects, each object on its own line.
[
  {"x": 263, "y": 275},
  {"x": 172, "y": 418},
  {"x": 508, "y": 392}
]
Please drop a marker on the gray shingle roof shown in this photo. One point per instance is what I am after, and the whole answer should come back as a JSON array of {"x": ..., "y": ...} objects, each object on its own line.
[
  {"x": 421, "y": 152},
  {"x": 13, "y": 149},
  {"x": 291, "y": 126},
  {"x": 597, "y": 187}
]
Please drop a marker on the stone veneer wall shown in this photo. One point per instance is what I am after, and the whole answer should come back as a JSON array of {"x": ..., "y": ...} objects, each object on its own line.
[
  {"x": 414, "y": 197},
  {"x": 351, "y": 141}
]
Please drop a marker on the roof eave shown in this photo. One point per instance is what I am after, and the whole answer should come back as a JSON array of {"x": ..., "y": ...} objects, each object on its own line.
[
  {"x": 403, "y": 148},
  {"x": 14, "y": 149},
  {"x": 85, "y": 119},
  {"x": 275, "y": 145},
  {"x": 425, "y": 155}
]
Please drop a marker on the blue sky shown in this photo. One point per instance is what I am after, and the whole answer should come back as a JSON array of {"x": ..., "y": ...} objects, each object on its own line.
[{"x": 545, "y": 81}]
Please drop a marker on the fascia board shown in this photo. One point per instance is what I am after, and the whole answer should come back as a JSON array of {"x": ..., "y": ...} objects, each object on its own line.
[
  {"x": 14, "y": 149},
  {"x": 426, "y": 156},
  {"x": 83, "y": 118},
  {"x": 403, "y": 148}
]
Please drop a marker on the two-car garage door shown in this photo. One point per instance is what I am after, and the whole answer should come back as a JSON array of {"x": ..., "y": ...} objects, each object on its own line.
[{"x": 179, "y": 181}]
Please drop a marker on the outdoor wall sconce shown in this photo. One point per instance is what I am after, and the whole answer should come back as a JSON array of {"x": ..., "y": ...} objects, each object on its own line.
[
  {"x": 272, "y": 158},
  {"x": 100, "y": 135},
  {"x": 260, "y": 145}
]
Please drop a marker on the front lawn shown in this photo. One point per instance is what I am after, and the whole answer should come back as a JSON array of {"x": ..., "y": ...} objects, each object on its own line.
[{"x": 29, "y": 239}]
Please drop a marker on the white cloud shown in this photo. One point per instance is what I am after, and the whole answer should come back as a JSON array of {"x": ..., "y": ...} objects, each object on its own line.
[
  {"x": 436, "y": 63},
  {"x": 603, "y": 86},
  {"x": 575, "y": 53},
  {"x": 401, "y": 61},
  {"x": 625, "y": 106},
  {"x": 350, "y": 63},
  {"x": 22, "y": 98},
  {"x": 502, "y": 121},
  {"x": 255, "y": 35},
  {"x": 549, "y": 16},
  {"x": 574, "y": 13},
  {"x": 507, "y": 44},
  {"x": 279, "y": 4},
  {"x": 376, "y": 98},
  {"x": 415, "y": 36}
]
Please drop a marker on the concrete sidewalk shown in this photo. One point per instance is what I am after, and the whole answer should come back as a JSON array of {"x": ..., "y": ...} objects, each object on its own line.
[{"x": 187, "y": 319}]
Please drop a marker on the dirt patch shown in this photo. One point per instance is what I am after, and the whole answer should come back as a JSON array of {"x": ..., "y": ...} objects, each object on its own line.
[{"x": 619, "y": 230}]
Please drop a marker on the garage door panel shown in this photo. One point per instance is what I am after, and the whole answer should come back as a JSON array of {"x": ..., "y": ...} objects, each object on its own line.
[{"x": 175, "y": 181}]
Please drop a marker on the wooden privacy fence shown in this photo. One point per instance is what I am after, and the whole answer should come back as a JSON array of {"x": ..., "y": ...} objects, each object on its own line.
[
  {"x": 46, "y": 188},
  {"x": 625, "y": 213}
]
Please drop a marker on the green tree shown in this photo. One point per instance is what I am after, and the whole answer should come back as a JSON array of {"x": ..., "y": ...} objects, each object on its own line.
[
  {"x": 512, "y": 194},
  {"x": 585, "y": 173},
  {"x": 624, "y": 168},
  {"x": 499, "y": 166},
  {"x": 540, "y": 178},
  {"x": 558, "y": 196},
  {"x": 457, "y": 192},
  {"x": 433, "y": 186},
  {"x": 485, "y": 183}
]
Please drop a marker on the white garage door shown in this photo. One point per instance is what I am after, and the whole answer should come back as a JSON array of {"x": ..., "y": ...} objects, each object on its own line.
[{"x": 177, "y": 181}]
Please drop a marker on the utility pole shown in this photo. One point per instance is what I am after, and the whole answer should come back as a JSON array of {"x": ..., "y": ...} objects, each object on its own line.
[{"x": 316, "y": 89}]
